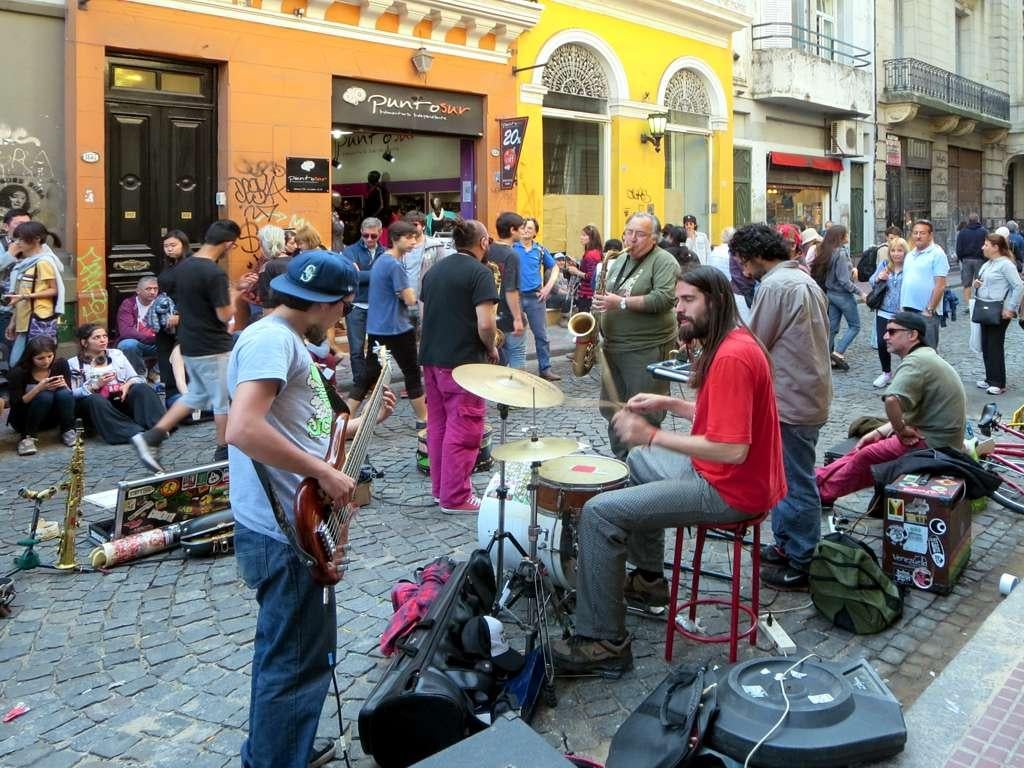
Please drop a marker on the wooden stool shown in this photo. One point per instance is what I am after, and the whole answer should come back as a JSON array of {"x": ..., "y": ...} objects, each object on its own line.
[{"x": 736, "y": 532}]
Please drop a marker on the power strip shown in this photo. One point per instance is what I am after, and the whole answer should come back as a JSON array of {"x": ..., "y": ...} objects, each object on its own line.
[{"x": 778, "y": 635}]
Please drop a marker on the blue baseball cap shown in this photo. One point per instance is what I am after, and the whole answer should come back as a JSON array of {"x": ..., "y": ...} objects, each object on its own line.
[{"x": 317, "y": 275}]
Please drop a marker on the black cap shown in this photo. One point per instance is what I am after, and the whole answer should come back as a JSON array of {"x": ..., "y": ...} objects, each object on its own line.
[
  {"x": 484, "y": 636},
  {"x": 912, "y": 321}
]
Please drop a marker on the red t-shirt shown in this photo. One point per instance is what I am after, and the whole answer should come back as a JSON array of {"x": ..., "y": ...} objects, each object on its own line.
[
  {"x": 588, "y": 265},
  {"x": 736, "y": 404}
]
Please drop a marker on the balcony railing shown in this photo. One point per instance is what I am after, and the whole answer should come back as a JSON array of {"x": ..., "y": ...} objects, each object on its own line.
[
  {"x": 783, "y": 35},
  {"x": 916, "y": 78}
]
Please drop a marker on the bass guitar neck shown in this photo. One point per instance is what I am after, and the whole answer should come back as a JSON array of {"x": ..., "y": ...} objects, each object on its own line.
[{"x": 322, "y": 524}]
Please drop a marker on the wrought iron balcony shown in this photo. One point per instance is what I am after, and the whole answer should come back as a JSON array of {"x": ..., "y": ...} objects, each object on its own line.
[
  {"x": 783, "y": 35},
  {"x": 943, "y": 92}
]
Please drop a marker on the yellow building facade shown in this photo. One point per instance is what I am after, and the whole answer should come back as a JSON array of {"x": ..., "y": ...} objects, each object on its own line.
[{"x": 589, "y": 75}]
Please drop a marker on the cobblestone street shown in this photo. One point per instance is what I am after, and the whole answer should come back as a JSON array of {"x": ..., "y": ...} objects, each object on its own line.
[{"x": 148, "y": 664}]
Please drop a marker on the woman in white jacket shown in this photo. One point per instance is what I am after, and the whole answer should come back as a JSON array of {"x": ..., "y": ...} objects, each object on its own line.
[{"x": 998, "y": 280}]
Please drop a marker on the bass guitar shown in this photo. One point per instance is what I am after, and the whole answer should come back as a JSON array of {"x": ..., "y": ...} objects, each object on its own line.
[{"x": 321, "y": 525}]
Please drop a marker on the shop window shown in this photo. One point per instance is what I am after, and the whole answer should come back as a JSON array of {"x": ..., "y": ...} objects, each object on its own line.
[
  {"x": 136, "y": 79},
  {"x": 572, "y": 157},
  {"x": 176, "y": 82},
  {"x": 803, "y": 206},
  {"x": 686, "y": 177}
]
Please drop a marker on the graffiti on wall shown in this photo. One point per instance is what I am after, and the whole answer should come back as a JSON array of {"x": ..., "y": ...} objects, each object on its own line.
[
  {"x": 92, "y": 293},
  {"x": 26, "y": 173},
  {"x": 258, "y": 190}
]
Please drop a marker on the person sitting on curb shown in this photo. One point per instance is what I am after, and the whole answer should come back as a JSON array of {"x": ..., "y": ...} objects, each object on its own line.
[
  {"x": 925, "y": 403},
  {"x": 40, "y": 386}
]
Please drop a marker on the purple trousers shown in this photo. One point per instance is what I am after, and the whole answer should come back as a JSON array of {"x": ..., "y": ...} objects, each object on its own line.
[
  {"x": 853, "y": 471},
  {"x": 455, "y": 425}
]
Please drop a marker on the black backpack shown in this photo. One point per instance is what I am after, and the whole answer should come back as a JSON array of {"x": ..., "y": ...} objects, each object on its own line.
[{"x": 867, "y": 263}]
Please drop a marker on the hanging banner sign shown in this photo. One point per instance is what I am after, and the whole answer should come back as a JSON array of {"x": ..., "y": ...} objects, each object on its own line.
[
  {"x": 513, "y": 131},
  {"x": 893, "y": 150}
]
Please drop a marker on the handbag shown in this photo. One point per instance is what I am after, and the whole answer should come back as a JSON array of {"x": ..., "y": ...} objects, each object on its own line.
[
  {"x": 987, "y": 312},
  {"x": 877, "y": 295}
]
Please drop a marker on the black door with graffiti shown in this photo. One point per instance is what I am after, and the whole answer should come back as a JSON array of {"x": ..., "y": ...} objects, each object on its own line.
[{"x": 161, "y": 163}]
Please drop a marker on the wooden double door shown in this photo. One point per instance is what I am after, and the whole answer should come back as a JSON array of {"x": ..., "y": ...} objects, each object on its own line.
[{"x": 161, "y": 164}]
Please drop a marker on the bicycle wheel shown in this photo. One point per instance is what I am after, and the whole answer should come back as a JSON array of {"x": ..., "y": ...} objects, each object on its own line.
[{"x": 1011, "y": 492}]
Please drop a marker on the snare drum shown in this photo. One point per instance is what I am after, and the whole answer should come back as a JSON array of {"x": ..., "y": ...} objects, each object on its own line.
[{"x": 568, "y": 482}]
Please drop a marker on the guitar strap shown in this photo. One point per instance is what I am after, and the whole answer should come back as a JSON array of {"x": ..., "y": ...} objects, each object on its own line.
[{"x": 282, "y": 520}]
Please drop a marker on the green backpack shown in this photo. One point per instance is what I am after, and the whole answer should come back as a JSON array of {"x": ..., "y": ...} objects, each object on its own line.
[{"x": 849, "y": 587}]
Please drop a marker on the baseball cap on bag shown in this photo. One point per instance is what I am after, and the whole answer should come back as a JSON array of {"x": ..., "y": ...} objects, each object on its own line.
[
  {"x": 317, "y": 276},
  {"x": 484, "y": 636}
]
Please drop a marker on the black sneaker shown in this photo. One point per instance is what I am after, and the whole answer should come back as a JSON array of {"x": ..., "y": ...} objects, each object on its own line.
[
  {"x": 786, "y": 578},
  {"x": 584, "y": 656},
  {"x": 771, "y": 554},
  {"x": 145, "y": 444},
  {"x": 648, "y": 594},
  {"x": 323, "y": 752}
]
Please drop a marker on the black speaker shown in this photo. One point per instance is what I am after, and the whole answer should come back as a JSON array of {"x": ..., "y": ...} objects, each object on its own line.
[
  {"x": 840, "y": 714},
  {"x": 508, "y": 743}
]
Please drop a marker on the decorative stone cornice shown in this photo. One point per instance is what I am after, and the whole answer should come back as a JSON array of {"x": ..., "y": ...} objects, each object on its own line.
[
  {"x": 945, "y": 124},
  {"x": 505, "y": 19},
  {"x": 712, "y": 21},
  {"x": 994, "y": 136},
  {"x": 966, "y": 126}
]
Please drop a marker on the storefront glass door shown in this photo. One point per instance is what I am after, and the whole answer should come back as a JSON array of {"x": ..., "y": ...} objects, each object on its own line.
[{"x": 687, "y": 174}]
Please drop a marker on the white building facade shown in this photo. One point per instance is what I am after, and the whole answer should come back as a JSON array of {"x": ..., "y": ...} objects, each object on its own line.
[
  {"x": 804, "y": 108},
  {"x": 943, "y": 80}
]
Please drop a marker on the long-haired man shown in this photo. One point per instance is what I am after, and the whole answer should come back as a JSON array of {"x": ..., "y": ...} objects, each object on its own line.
[{"x": 727, "y": 469}]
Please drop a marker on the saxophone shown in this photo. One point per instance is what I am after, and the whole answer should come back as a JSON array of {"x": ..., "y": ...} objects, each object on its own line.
[
  {"x": 74, "y": 486},
  {"x": 584, "y": 327},
  {"x": 499, "y": 336}
]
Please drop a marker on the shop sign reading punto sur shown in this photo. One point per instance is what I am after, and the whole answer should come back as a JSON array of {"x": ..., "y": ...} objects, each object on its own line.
[{"x": 384, "y": 105}]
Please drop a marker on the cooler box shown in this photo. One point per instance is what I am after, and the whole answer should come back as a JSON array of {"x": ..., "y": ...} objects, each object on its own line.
[{"x": 927, "y": 533}]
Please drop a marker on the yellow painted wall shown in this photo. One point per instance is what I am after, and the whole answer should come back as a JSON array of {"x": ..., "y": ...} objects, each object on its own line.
[{"x": 637, "y": 171}]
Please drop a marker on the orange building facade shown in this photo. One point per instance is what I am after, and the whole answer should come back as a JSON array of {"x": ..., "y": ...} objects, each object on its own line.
[{"x": 183, "y": 111}]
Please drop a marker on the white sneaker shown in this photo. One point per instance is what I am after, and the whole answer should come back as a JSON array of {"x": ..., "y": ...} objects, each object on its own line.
[
  {"x": 68, "y": 438},
  {"x": 882, "y": 381},
  {"x": 996, "y": 390},
  {"x": 982, "y": 384},
  {"x": 27, "y": 446}
]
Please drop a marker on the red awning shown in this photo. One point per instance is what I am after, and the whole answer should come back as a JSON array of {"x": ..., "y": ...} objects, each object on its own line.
[{"x": 830, "y": 164}]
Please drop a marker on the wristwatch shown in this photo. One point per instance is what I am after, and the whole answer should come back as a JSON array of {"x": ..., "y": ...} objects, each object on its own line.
[{"x": 622, "y": 303}]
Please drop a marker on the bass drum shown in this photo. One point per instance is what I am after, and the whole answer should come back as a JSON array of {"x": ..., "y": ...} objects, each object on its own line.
[{"x": 556, "y": 548}]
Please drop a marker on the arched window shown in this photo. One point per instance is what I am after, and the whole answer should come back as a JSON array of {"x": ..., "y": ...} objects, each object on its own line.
[
  {"x": 574, "y": 70},
  {"x": 687, "y": 152}
]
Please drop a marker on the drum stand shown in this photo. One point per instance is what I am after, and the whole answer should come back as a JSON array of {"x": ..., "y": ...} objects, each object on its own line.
[{"x": 500, "y": 534}]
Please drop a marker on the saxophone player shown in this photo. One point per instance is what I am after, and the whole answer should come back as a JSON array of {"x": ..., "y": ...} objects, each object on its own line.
[{"x": 638, "y": 323}]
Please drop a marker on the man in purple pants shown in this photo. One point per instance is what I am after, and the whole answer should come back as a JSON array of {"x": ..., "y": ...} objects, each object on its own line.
[{"x": 459, "y": 326}]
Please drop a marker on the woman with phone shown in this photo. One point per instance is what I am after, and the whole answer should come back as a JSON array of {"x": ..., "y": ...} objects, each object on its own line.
[
  {"x": 109, "y": 394},
  {"x": 41, "y": 399}
]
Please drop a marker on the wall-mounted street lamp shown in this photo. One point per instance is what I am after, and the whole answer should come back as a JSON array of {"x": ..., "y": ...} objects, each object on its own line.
[
  {"x": 422, "y": 60},
  {"x": 656, "y": 124}
]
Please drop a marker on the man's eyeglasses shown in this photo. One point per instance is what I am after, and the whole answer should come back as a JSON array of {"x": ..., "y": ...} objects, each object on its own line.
[
  {"x": 371, "y": 235},
  {"x": 636, "y": 233},
  {"x": 894, "y": 331}
]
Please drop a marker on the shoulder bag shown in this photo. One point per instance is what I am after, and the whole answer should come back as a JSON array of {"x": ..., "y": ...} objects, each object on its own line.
[
  {"x": 876, "y": 297},
  {"x": 988, "y": 312}
]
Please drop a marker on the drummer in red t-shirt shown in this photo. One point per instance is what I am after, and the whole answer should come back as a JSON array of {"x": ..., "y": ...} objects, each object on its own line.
[{"x": 727, "y": 469}]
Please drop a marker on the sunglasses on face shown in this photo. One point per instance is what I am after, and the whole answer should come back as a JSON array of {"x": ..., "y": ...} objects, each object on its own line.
[{"x": 371, "y": 236}]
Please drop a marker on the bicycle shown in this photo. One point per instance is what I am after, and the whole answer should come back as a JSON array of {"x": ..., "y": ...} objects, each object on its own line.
[{"x": 1006, "y": 458}]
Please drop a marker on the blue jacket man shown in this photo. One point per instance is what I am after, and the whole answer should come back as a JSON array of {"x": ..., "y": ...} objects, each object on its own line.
[
  {"x": 968, "y": 252},
  {"x": 362, "y": 254}
]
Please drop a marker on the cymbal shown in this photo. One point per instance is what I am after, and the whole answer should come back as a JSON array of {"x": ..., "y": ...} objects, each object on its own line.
[
  {"x": 508, "y": 386},
  {"x": 541, "y": 449}
]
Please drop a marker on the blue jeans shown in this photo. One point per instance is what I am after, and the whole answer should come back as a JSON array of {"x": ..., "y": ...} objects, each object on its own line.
[
  {"x": 513, "y": 352},
  {"x": 47, "y": 410},
  {"x": 355, "y": 326},
  {"x": 842, "y": 305},
  {"x": 18, "y": 347},
  {"x": 796, "y": 520},
  {"x": 137, "y": 351},
  {"x": 537, "y": 315},
  {"x": 296, "y": 636}
]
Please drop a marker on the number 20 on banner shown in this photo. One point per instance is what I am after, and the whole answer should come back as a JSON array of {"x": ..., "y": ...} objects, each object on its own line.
[{"x": 513, "y": 131}]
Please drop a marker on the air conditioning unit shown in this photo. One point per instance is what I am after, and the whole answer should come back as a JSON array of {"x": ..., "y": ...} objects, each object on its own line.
[{"x": 844, "y": 138}]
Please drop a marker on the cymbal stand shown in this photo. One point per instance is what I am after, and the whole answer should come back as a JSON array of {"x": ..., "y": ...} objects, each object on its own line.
[{"x": 500, "y": 534}]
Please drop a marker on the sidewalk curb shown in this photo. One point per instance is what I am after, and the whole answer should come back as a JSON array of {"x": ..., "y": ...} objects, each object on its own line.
[{"x": 955, "y": 701}]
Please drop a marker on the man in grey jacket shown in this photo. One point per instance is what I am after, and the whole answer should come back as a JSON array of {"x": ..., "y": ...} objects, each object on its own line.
[{"x": 790, "y": 317}]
